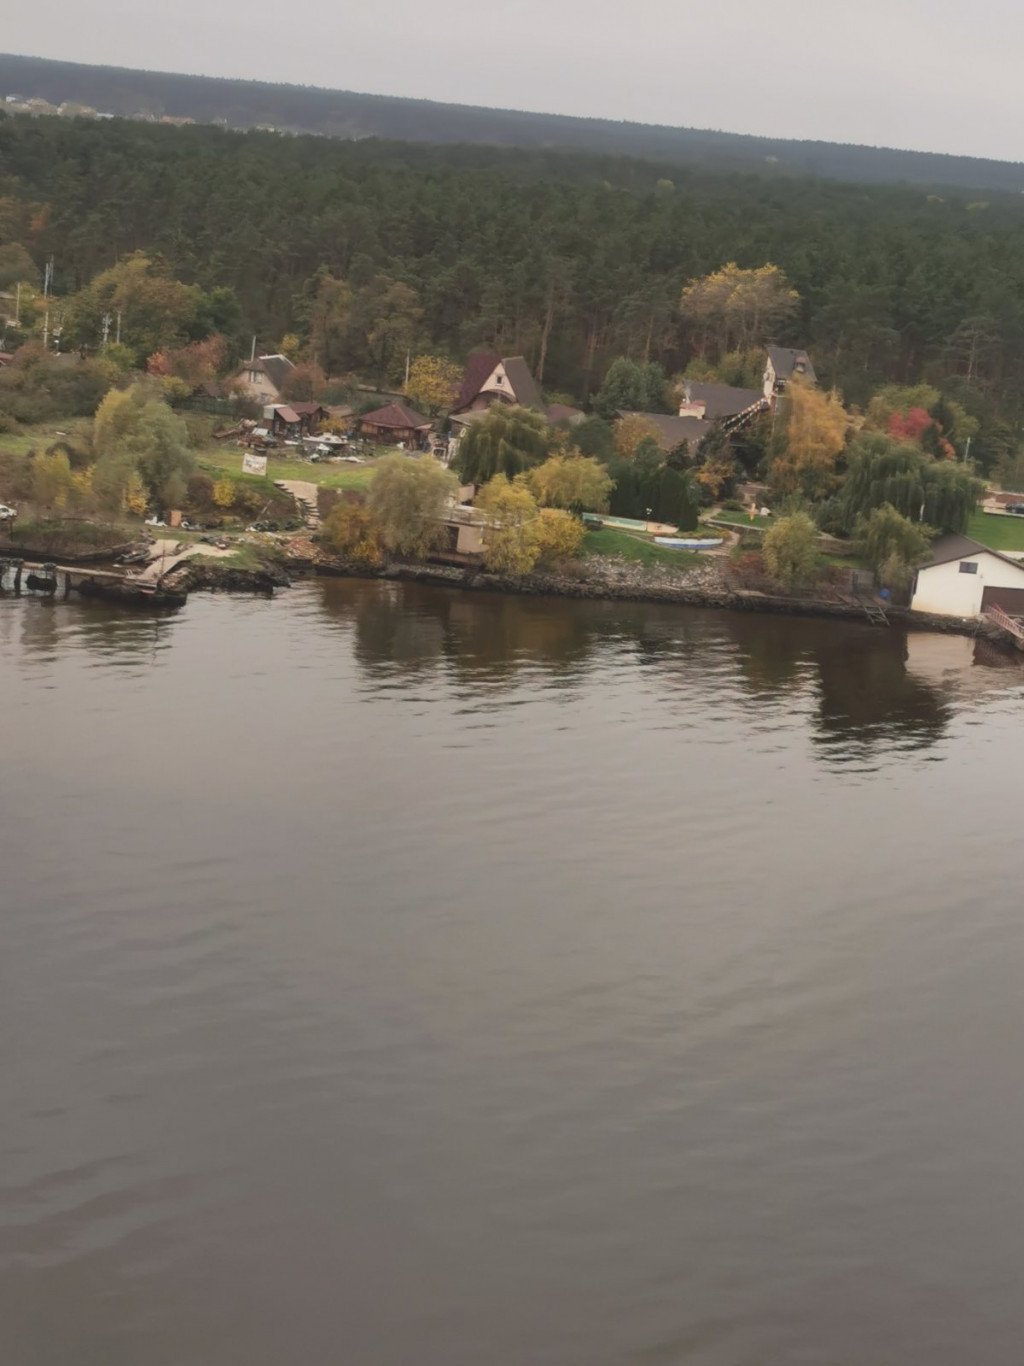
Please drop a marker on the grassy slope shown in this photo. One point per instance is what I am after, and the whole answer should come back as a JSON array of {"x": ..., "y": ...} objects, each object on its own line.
[
  {"x": 608, "y": 541},
  {"x": 1000, "y": 533},
  {"x": 218, "y": 461}
]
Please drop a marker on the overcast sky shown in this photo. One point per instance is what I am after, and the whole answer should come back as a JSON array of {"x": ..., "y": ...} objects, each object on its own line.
[{"x": 938, "y": 75}]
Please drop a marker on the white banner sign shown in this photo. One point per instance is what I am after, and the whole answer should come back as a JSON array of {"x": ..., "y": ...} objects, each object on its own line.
[{"x": 254, "y": 464}]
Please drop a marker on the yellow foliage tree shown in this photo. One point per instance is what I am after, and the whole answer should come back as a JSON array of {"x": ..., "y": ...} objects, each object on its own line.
[
  {"x": 809, "y": 442},
  {"x": 52, "y": 480},
  {"x": 351, "y": 531},
  {"x": 572, "y": 481},
  {"x": 224, "y": 493},
  {"x": 630, "y": 431},
  {"x": 81, "y": 486},
  {"x": 732, "y": 309},
  {"x": 510, "y": 546},
  {"x": 556, "y": 536},
  {"x": 433, "y": 383},
  {"x": 135, "y": 494}
]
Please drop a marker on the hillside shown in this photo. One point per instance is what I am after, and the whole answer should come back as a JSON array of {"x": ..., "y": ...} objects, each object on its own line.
[{"x": 346, "y": 114}]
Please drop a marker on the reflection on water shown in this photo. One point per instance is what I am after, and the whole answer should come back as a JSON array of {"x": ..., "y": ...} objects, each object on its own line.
[
  {"x": 872, "y": 688},
  {"x": 396, "y": 975}
]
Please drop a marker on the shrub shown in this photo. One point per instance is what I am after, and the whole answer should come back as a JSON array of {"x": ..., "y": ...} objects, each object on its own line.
[
  {"x": 199, "y": 492},
  {"x": 352, "y": 531},
  {"x": 791, "y": 550}
]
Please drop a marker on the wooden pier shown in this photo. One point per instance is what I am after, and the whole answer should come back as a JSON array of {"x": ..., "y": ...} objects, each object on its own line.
[{"x": 53, "y": 580}]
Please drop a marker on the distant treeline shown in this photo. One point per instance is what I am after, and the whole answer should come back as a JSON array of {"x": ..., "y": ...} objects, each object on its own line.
[
  {"x": 345, "y": 114},
  {"x": 574, "y": 258}
]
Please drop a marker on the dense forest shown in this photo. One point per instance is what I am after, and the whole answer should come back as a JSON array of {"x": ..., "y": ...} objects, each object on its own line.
[
  {"x": 570, "y": 260},
  {"x": 346, "y": 114}
]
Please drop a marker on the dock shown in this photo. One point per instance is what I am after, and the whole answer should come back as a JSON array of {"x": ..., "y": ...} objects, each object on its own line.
[{"x": 48, "y": 579}]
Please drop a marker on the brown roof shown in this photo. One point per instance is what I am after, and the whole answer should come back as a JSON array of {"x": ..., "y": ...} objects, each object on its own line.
[
  {"x": 285, "y": 413},
  {"x": 563, "y": 412},
  {"x": 276, "y": 368},
  {"x": 672, "y": 430},
  {"x": 308, "y": 409},
  {"x": 522, "y": 382},
  {"x": 478, "y": 367},
  {"x": 946, "y": 549},
  {"x": 396, "y": 415}
]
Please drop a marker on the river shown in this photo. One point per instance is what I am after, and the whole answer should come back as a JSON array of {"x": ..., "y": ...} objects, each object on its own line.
[{"x": 399, "y": 977}]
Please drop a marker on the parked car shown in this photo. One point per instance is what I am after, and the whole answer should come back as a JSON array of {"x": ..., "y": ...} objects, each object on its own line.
[{"x": 1018, "y": 508}]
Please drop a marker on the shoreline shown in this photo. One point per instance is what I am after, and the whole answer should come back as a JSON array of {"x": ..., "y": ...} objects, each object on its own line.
[{"x": 704, "y": 589}]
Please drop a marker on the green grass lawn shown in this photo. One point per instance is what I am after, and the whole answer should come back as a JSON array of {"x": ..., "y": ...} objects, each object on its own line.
[
  {"x": 741, "y": 519},
  {"x": 608, "y": 541},
  {"x": 1000, "y": 533},
  {"x": 222, "y": 460}
]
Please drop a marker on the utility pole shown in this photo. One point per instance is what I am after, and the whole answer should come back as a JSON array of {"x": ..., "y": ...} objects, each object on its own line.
[
  {"x": 17, "y": 305},
  {"x": 117, "y": 337},
  {"x": 48, "y": 278},
  {"x": 252, "y": 353},
  {"x": 46, "y": 330},
  {"x": 408, "y": 358},
  {"x": 967, "y": 451}
]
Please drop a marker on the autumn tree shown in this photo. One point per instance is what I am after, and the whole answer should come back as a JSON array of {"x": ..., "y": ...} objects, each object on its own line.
[
  {"x": 574, "y": 482},
  {"x": 507, "y": 440},
  {"x": 510, "y": 509},
  {"x": 52, "y": 480},
  {"x": 810, "y": 438},
  {"x": 351, "y": 531},
  {"x": 407, "y": 500},
  {"x": 791, "y": 550},
  {"x": 630, "y": 431},
  {"x": 433, "y": 384},
  {"x": 157, "y": 311},
  {"x": 303, "y": 382},
  {"x": 556, "y": 536},
  {"x": 733, "y": 309},
  {"x": 135, "y": 430}
]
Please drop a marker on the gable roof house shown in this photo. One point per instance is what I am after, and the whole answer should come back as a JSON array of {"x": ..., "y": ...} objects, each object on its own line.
[
  {"x": 393, "y": 423},
  {"x": 781, "y": 364},
  {"x": 263, "y": 377},
  {"x": 491, "y": 379},
  {"x": 963, "y": 578}
]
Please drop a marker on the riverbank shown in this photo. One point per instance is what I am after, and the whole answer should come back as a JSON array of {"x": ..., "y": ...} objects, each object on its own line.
[{"x": 705, "y": 584}]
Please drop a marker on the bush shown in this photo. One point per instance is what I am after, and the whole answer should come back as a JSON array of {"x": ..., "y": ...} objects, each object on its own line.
[
  {"x": 352, "y": 531},
  {"x": 199, "y": 492},
  {"x": 791, "y": 550}
]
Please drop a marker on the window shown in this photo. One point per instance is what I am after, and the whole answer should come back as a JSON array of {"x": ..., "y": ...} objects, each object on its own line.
[{"x": 967, "y": 567}]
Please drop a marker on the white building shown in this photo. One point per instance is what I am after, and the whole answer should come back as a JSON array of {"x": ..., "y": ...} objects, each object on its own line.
[{"x": 963, "y": 577}]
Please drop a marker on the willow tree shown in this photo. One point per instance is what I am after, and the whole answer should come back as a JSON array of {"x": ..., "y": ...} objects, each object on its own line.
[
  {"x": 508, "y": 440},
  {"x": 881, "y": 470}
]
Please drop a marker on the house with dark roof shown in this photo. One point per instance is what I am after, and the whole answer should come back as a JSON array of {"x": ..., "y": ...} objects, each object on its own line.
[
  {"x": 714, "y": 401},
  {"x": 672, "y": 431},
  {"x": 394, "y": 423},
  {"x": 782, "y": 364},
  {"x": 263, "y": 377},
  {"x": 963, "y": 578},
  {"x": 490, "y": 379}
]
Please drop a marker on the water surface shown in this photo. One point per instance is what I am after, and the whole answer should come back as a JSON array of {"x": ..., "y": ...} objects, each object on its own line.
[{"x": 416, "y": 978}]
